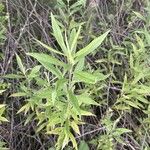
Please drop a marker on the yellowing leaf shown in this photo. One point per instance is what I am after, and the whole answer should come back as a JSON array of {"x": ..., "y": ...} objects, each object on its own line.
[
  {"x": 3, "y": 119},
  {"x": 75, "y": 127},
  {"x": 56, "y": 131},
  {"x": 86, "y": 113},
  {"x": 41, "y": 127},
  {"x": 18, "y": 94},
  {"x": 24, "y": 108},
  {"x": 73, "y": 141}
]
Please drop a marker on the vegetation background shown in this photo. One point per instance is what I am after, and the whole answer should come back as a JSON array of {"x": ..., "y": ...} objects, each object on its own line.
[{"x": 74, "y": 74}]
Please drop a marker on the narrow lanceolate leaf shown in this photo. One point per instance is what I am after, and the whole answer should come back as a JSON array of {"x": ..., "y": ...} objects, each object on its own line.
[
  {"x": 49, "y": 48},
  {"x": 122, "y": 130},
  {"x": 21, "y": 67},
  {"x": 139, "y": 16},
  {"x": 20, "y": 94},
  {"x": 74, "y": 42},
  {"x": 132, "y": 104},
  {"x": 75, "y": 127},
  {"x": 58, "y": 34},
  {"x": 24, "y": 108},
  {"x": 80, "y": 65},
  {"x": 47, "y": 62},
  {"x": 72, "y": 36},
  {"x": 74, "y": 101},
  {"x": 72, "y": 138},
  {"x": 86, "y": 113},
  {"x": 35, "y": 71},
  {"x": 86, "y": 77},
  {"x": 91, "y": 47},
  {"x": 44, "y": 58},
  {"x": 13, "y": 76},
  {"x": 3, "y": 119},
  {"x": 85, "y": 99},
  {"x": 52, "y": 69}
]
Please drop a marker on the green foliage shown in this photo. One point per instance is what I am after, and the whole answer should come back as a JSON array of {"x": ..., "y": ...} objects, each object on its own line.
[
  {"x": 3, "y": 86},
  {"x": 72, "y": 91},
  {"x": 3, "y": 20},
  {"x": 56, "y": 105},
  {"x": 2, "y": 109},
  {"x": 134, "y": 89},
  {"x": 113, "y": 133}
]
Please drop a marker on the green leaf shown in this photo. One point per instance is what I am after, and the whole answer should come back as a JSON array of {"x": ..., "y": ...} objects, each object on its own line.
[
  {"x": 139, "y": 16},
  {"x": 43, "y": 93},
  {"x": 75, "y": 127},
  {"x": 131, "y": 61},
  {"x": 44, "y": 58},
  {"x": 77, "y": 4},
  {"x": 83, "y": 146},
  {"x": 60, "y": 140},
  {"x": 54, "y": 95},
  {"x": 86, "y": 113},
  {"x": 80, "y": 65},
  {"x": 42, "y": 126},
  {"x": 20, "y": 64},
  {"x": 65, "y": 141},
  {"x": 120, "y": 131},
  {"x": 56, "y": 131},
  {"x": 85, "y": 99},
  {"x": 49, "y": 48},
  {"x": 72, "y": 138},
  {"x": 82, "y": 76},
  {"x": 74, "y": 42},
  {"x": 74, "y": 102},
  {"x": 52, "y": 69},
  {"x": 142, "y": 90},
  {"x": 47, "y": 62},
  {"x": 30, "y": 116},
  {"x": 132, "y": 104},
  {"x": 71, "y": 37},
  {"x": 3, "y": 119},
  {"x": 142, "y": 99},
  {"x": 91, "y": 47},
  {"x": 34, "y": 72},
  {"x": 13, "y": 76},
  {"x": 19, "y": 94},
  {"x": 58, "y": 34},
  {"x": 25, "y": 108}
]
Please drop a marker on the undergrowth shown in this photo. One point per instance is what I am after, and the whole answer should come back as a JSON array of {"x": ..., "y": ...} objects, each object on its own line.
[{"x": 75, "y": 75}]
